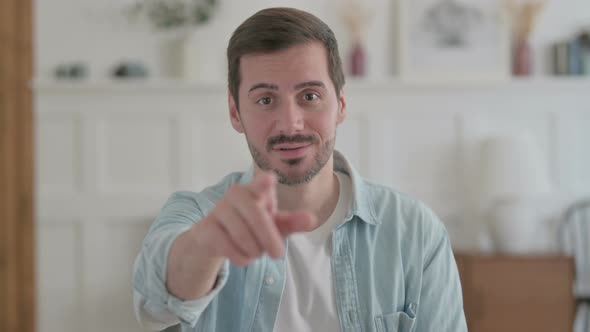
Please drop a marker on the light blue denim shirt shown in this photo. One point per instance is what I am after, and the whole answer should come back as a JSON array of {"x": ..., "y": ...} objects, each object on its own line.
[{"x": 392, "y": 264}]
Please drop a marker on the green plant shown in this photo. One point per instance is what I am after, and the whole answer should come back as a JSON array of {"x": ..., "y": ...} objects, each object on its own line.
[{"x": 169, "y": 14}]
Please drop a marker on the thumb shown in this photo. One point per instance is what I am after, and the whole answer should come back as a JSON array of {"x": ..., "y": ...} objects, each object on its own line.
[{"x": 293, "y": 222}]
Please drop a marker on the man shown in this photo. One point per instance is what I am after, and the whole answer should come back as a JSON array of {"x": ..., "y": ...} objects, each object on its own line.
[{"x": 300, "y": 242}]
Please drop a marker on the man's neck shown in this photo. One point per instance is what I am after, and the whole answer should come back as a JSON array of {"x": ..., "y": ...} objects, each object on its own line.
[{"x": 318, "y": 196}]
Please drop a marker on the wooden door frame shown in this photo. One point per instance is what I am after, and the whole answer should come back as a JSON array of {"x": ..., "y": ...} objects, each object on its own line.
[{"x": 17, "y": 232}]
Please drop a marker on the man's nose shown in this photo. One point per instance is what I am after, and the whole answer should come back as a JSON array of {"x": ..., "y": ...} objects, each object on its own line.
[{"x": 290, "y": 118}]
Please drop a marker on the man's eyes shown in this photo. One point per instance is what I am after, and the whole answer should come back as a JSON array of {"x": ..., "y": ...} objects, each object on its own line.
[
  {"x": 264, "y": 101},
  {"x": 310, "y": 96},
  {"x": 307, "y": 97}
]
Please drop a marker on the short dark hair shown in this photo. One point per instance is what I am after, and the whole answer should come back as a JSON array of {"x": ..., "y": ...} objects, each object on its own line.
[{"x": 275, "y": 29}]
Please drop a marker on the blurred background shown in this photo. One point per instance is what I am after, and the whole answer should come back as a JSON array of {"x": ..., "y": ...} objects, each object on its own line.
[{"x": 480, "y": 108}]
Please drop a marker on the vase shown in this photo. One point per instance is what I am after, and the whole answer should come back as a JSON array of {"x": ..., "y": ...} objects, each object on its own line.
[
  {"x": 522, "y": 58},
  {"x": 203, "y": 57},
  {"x": 357, "y": 60},
  {"x": 192, "y": 55}
]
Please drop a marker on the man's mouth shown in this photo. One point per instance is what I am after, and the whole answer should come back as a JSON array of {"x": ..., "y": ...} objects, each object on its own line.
[
  {"x": 290, "y": 146},
  {"x": 291, "y": 150}
]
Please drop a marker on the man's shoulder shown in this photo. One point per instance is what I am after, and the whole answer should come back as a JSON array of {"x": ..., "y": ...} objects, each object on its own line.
[
  {"x": 399, "y": 209},
  {"x": 406, "y": 223}
]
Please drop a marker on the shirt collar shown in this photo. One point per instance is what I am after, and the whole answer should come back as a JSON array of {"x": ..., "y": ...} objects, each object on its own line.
[
  {"x": 361, "y": 202},
  {"x": 362, "y": 205}
]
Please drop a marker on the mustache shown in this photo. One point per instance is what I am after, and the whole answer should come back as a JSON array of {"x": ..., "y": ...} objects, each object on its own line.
[{"x": 281, "y": 139}]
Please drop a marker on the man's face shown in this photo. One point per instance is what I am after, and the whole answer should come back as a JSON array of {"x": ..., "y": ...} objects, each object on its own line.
[{"x": 288, "y": 111}]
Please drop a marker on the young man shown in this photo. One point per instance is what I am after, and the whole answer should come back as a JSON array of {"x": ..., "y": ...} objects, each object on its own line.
[{"x": 300, "y": 242}]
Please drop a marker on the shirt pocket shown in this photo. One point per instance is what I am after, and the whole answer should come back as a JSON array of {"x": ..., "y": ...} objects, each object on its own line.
[{"x": 396, "y": 322}]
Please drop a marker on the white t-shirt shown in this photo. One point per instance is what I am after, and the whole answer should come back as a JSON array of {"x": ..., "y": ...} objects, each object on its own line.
[{"x": 308, "y": 302}]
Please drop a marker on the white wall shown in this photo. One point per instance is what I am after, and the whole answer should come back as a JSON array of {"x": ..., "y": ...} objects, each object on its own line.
[
  {"x": 96, "y": 33},
  {"x": 110, "y": 154}
]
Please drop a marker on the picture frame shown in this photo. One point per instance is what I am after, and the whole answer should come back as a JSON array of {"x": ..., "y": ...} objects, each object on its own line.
[{"x": 453, "y": 41}]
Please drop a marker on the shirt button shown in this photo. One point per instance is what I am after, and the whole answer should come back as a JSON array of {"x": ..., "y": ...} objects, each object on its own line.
[{"x": 269, "y": 280}]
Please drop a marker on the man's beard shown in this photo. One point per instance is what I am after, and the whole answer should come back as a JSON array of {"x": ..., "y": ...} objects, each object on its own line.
[{"x": 320, "y": 158}]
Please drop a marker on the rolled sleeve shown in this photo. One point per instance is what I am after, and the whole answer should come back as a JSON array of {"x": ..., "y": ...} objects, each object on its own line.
[
  {"x": 158, "y": 316},
  {"x": 190, "y": 311}
]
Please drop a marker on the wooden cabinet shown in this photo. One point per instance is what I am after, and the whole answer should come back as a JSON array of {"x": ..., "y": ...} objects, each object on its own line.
[{"x": 505, "y": 293}]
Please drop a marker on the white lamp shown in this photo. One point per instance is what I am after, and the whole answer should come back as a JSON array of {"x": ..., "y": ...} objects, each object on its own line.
[{"x": 513, "y": 172}]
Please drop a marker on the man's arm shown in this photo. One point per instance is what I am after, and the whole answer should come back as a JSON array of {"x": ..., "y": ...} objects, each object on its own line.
[
  {"x": 243, "y": 226},
  {"x": 183, "y": 263}
]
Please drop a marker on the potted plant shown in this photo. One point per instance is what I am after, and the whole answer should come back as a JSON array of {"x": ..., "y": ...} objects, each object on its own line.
[{"x": 176, "y": 21}]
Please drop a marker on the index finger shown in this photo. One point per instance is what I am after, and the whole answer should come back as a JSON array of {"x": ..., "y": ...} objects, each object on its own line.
[{"x": 253, "y": 209}]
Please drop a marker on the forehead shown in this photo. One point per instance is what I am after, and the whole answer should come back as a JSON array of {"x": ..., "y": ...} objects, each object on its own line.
[{"x": 303, "y": 62}]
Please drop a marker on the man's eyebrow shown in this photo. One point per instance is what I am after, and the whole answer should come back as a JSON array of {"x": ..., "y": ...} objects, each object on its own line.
[
  {"x": 263, "y": 86},
  {"x": 309, "y": 84}
]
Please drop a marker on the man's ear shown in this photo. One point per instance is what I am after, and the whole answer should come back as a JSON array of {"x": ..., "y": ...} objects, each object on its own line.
[
  {"x": 234, "y": 114},
  {"x": 341, "y": 108}
]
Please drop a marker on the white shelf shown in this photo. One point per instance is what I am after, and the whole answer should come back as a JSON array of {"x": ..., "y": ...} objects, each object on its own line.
[{"x": 125, "y": 86}]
